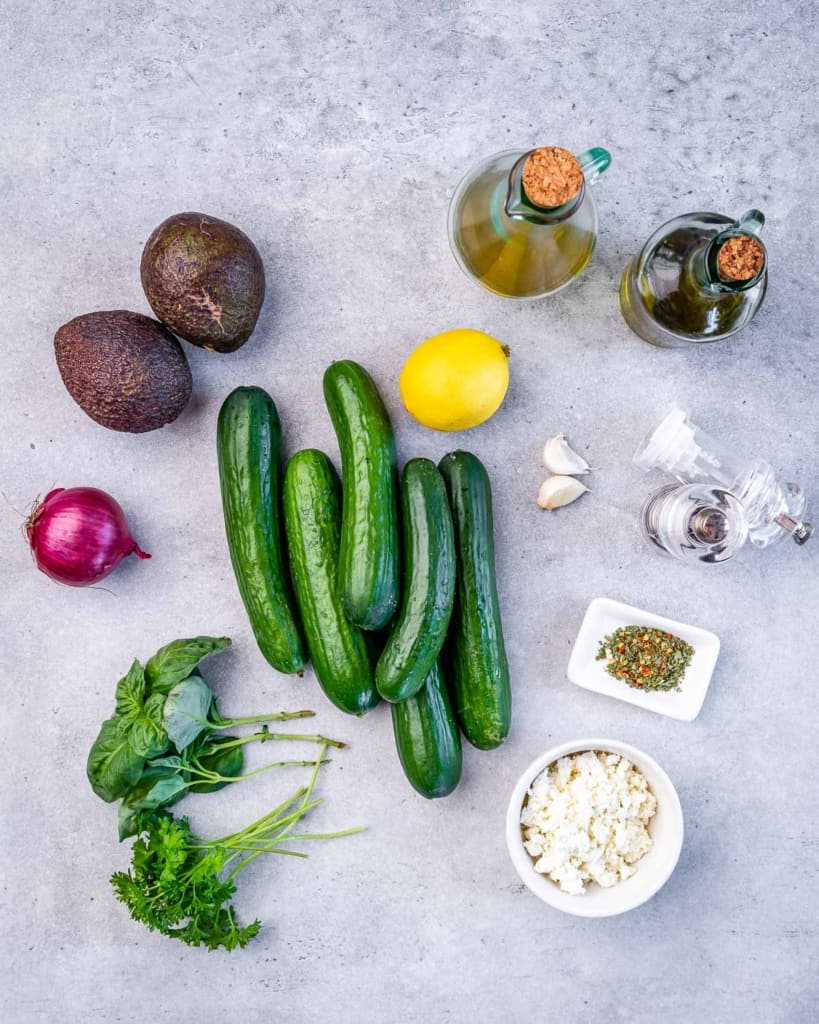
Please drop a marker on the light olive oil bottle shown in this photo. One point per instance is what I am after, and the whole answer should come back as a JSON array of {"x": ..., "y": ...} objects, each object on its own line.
[{"x": 524, "y": 224}]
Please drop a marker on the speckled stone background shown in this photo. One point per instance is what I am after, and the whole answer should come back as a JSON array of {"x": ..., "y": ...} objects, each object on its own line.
[{"x": 335, "y": 135}]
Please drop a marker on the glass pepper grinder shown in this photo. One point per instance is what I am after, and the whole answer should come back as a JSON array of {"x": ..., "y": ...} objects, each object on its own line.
[
  {"x": 695, "y": 522},
  {"x": 524, "y": 224},
  {"x": 699, "y": 278},
  {"x": 773, "y": 510}
]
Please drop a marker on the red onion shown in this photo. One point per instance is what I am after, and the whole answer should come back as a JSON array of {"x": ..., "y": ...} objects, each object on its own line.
[{"x": 79, "y": 535}]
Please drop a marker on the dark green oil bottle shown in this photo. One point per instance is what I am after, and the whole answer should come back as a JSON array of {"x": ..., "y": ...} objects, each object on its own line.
[{"x": 699, "y": 278}]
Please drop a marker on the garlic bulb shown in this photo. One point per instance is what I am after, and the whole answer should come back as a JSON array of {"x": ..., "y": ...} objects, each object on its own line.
[
  {"x": 558, "y": 491},
  {"x": 559, "y": 458}
]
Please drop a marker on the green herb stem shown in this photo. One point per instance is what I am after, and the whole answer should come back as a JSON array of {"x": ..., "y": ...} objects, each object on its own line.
[
  {"x": 297, "y": 815},
  {"x": 328, "y": 835},
  {"x": 283, "y": 716},
  {"x": 270, "y": 845},
  {"x": 263, "y": 737},
  {"x": 209, "y": 776},
  {"x": 308, "y": 739},
  {"x": 262, "y": 822}
]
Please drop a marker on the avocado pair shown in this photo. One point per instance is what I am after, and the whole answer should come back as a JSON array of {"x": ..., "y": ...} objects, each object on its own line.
[{"x": 204, "y": 280}]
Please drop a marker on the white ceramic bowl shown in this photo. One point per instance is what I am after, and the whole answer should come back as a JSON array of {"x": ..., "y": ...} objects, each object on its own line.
[{"x": 653, "y": 870}]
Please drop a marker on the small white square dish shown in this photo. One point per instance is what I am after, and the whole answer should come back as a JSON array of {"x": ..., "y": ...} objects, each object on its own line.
[{"x": 604, "y": 616}]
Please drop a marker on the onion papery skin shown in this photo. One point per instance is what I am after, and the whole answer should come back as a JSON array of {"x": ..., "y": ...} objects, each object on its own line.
[{"x": 79, "y": 535}]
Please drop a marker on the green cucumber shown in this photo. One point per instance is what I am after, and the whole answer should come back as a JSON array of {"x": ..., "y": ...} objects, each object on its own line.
[
  {"x": 249, "y": 452},
  {"x": 368, "y": 559},
  {"x": 419, "y": 631},
  {"x": 474, "y": 649},
  {"x": 427, "y": 738},
  {"x": 312, "y": 518}
]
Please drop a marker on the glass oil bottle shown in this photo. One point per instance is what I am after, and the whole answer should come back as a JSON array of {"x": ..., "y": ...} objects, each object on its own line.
[
  {"x": 524, "y": 224},
  {"x": 699, "y": 278}
]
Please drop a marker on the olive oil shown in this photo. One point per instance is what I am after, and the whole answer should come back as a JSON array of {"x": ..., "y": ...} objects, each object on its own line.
[
  {"x": 684, "y": 286},
  {"x": 514, "y": 247}
]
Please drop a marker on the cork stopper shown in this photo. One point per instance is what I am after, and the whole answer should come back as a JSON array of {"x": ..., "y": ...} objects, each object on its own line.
[
  {"x": 551, "y": 176},
  {"x": 740, "y": 258}
]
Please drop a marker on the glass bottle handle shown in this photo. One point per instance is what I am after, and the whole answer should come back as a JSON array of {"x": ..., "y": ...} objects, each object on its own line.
[
  {"x": 750, "y": 223},
  {"x": 594, "y": 161}
]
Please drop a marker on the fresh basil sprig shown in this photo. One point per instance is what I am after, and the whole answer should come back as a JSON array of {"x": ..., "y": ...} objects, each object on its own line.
[
  {"x": 165, "y": 736},
  {"x": 137, "y": 730}
]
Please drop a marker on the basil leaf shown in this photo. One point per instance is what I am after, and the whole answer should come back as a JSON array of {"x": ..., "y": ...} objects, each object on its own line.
[
  {"x": 131, "y": 692},
  {"x": 153, "y": 708},
  {"x": 126, "y": 821},
  {"x": 148, "y": 735},
  {"x": 185, "y": 714},
  {"x": 147, "y": 738},
  {"x": 227, "y": 762},
  {"x": 172, "y": 761},
  {"x": 113, "y": 763},
  {"x": 143, "y": 718},
  {"x": 175, "y": 662},
  {"x": 157, "y": 787},
  {"x": 202, "y": 744}
]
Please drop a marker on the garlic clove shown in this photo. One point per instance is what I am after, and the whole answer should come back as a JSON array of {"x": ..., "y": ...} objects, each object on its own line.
[
  {"x": 559, "y": 458},
  {"x": 558, "y": 491}
]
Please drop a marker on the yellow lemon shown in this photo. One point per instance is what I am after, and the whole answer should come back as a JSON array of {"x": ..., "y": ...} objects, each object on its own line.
[{"x": 455, "y": 380}]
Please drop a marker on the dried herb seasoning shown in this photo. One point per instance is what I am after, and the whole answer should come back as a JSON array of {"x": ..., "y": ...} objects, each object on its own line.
[{"x": 646, "y": 658}]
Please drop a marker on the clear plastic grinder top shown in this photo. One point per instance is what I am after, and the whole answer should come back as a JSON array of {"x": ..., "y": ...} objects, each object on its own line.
[{"x": 773, "y": 510}]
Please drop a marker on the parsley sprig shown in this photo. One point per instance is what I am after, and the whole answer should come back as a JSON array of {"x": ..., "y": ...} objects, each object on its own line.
[{"x": 181, "y": 885}]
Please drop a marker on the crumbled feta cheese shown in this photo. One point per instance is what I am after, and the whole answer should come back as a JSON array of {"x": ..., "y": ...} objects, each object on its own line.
[{"x": 585, "y": 820}]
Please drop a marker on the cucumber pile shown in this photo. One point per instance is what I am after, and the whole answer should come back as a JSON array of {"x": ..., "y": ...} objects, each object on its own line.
[{"x": 407, "y": 568}]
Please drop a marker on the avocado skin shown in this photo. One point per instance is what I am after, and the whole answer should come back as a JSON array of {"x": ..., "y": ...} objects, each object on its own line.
[
  {"x": 125, "y": 370},
  {"x": 204, "y": 279}
]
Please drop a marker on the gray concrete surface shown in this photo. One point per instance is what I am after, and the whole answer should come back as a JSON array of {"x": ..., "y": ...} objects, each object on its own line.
[{"x": 334, "y": 135}]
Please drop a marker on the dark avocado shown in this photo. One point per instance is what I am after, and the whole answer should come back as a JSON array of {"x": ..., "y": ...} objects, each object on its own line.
[
  {"x": 204, "y": 279},
  {"x": 125, "y": 370}
]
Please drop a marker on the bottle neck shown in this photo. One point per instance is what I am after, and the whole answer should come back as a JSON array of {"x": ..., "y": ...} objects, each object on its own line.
[
  {"x": 706, "y": 261},
  {"x": 518, "y": 205}
]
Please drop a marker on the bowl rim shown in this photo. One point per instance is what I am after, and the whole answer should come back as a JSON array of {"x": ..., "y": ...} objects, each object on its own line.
[{"x": 522, "y": 861}]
